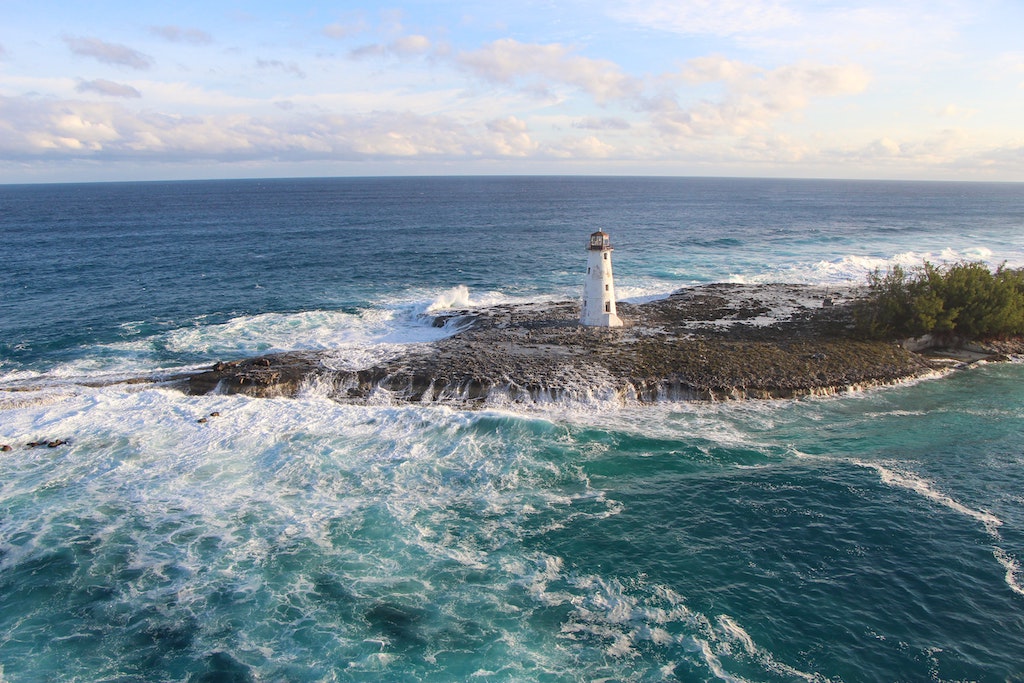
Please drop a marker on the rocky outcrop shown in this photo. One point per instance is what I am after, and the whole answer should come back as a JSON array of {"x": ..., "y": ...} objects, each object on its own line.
[
  {"x": 266, "y": 377},
  {"x": 706, "y": 343}
]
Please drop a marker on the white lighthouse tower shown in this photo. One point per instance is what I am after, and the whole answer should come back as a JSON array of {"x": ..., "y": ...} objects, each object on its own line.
[{"x": 598, "y": 288}]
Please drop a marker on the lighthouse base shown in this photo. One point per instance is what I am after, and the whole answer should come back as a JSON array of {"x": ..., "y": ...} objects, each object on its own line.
[{"x": 601, "y": 320}]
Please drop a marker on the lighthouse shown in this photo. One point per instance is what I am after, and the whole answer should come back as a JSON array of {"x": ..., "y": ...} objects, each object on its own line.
[{"x": 598, "y": 288}]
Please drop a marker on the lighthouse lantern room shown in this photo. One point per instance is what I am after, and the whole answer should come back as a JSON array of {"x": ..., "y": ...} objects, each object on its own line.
[{"x": 598, "y": 308}]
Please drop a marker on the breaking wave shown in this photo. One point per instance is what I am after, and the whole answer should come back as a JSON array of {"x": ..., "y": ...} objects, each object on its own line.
[{"x": 991, "y": 523}]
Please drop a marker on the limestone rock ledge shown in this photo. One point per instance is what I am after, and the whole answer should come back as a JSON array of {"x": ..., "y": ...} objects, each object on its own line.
[{"x": 714, "y": 342}]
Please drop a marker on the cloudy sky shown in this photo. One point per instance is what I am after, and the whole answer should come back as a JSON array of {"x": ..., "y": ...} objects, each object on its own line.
[{"x": 106, "y": 90}]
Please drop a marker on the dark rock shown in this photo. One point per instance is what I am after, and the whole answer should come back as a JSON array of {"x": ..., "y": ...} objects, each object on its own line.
[
  {"x": 715, "y": 342},
  {"x": 5, "y": 448},
  {"x": 266, "y": 376}
]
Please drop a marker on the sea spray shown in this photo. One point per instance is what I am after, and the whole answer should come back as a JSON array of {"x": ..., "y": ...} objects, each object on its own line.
[{"x": 457, "y": 297}]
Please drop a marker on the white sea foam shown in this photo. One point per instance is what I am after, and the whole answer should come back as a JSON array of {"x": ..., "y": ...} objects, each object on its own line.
[
  {"x": 309, "y": 330},
  {"x": 456, "y": 297},
  {"x": 714, "y": 664},
  {"x": 731, "y": 632},
  {"x": 353, "y": 339},
  {"x": 1013, "y": 575},
  {"x": 273, "y": 479},
  {"x": 461, "y": 298},
  {"x": 912, "y": 482},
  {"x": 626, "y": 616},
  {"x": 630, "y": 289},
  {"x": 642, "y": 290},
  {"x": 854, "y": 268}
]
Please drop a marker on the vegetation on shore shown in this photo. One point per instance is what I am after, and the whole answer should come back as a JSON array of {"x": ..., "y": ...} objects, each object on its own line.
[{"x": 964, "y": 299}]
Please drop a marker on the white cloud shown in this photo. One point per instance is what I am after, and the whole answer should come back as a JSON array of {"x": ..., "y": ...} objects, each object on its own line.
[
  {"x": 182, "y": 97},
  {"x": 367, "y": 51},
  {"x": 508, "y": 61},
  {"x": 717, "y": 68},
  {"x": 1007, "y": 158},
  {"x": 1009, "y": 63},
  {"x": 588, "y": 147},
  {"x": 772, "y": 148},
  {"x": 752, "y": 97},
  {"x": 716, "y": 17},
  {"x": 348, "y": 25},
  {"x": 607, "y": 123},
  {"x": 912, "y": 32},
  {"x": 35, "y": 128},
  {"x": 949, "y": 150},
  {"x": 1012, "y": 61},
  {"x": 405, "y": 46},
  {"x": 394, "y": 134},
  {"x": 411, "y": 45},
  {"x": 955, "y": 111},
  {"x": 177, "y": 34},
  {"x": 510, "y": 137},
  {"x": 109, "y": 88},
  {"x": 109, "y": 53},
  {"x": 339, "y": 31},
  {"x": 687, "y": 82},
  {"x": 899, "y": 39},
  {"x": 277, "y": 65},
  {"x": 883, "y": 147}
]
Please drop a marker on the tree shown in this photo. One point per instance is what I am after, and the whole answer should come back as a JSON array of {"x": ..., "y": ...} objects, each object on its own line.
[{"x": 964, "y": 299}]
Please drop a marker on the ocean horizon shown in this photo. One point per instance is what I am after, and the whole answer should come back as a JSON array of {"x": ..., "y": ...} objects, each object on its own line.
[{"x": 873, "y": 535}]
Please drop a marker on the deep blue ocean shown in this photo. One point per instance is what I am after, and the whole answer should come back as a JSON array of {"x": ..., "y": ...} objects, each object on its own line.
[{"x": 873, "y": 536}]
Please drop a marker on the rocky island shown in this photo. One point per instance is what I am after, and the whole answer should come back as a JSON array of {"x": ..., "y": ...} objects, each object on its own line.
[{"x": 712, "y": 342}]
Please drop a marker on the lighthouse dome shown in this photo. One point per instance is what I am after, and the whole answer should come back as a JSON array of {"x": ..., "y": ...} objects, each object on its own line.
[{"x": 600, "y": 240}]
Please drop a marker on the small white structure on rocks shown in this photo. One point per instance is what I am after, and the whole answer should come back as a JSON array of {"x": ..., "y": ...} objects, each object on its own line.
[{"x": 598, "y": 288}]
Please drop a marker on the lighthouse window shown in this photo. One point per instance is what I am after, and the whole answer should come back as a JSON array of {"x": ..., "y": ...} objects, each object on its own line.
[
  {"x": 588, "y": 270},
  {"x": 606, "y": 256},
  {"x": 607, "y": 306},
  {"x": 606, "y": 288}
]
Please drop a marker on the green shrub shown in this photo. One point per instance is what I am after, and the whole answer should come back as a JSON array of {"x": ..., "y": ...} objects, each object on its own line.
[{"x": 962, "y": 299}]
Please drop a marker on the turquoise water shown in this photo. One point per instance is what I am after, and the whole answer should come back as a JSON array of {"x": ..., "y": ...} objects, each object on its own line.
[{"x": 872, "y": 536}]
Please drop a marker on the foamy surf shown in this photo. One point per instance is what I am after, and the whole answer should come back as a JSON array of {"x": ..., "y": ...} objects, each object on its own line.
[
  {"x": 906, "y": 480},
  {"x": 912, "y": 482},
  {"x": 351, "y": 340},
  {"x": 854, "y": 269},
  {"x": 630, "y": 617}
]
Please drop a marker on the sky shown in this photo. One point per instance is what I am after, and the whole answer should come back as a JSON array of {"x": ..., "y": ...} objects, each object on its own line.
[{"x": 118, "y": 90}]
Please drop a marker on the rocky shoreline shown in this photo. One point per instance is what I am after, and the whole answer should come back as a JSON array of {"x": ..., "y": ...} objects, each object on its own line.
[{"x": 714, "y": 342}]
